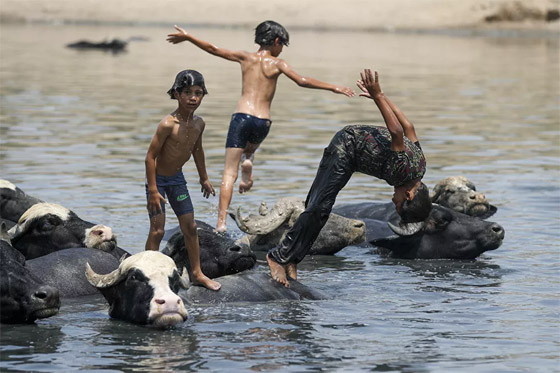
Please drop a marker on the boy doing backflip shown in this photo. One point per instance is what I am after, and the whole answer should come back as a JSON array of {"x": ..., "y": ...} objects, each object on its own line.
[
  {"x": 392, "y": 154},
  {"x": 251, "y": 122},
  {"x": 178, "y": 136}
]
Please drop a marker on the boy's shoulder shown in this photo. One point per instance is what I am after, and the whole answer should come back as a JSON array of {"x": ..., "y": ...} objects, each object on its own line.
[{"x": 169, "y": 121}]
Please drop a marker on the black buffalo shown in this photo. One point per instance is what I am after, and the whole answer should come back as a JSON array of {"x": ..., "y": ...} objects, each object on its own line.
[
  {"x": 445, "y": 234},
  {"x": 23, "y": 297},
  {"x": 219, "y": 254},
  {"x": 113, "y": 45},
  {"x": 65, "y": 269},
  {"x": 13, "y": 202},
  {"x": 249, "y": 286}
]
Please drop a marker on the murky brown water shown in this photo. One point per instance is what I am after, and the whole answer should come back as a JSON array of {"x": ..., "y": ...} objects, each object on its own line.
[{"x": 75, "y": 127}]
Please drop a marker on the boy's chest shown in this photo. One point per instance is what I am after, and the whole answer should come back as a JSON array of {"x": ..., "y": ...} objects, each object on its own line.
[{"x": 184, "y": 135}]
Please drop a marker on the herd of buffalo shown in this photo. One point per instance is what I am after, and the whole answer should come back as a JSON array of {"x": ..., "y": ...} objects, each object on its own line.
[{"x": 49, "y": 254}]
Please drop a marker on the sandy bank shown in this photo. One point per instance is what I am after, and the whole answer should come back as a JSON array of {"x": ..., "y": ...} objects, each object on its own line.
[{"x": 399, "y": 15}]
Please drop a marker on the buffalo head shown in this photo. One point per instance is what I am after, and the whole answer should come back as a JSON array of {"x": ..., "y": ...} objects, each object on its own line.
[
  {"x": 445, "y": 234},
  {"x": 48, "y": 227},
  {"x": 219, "y": 254},
  {"x": 23, "y": 297},
  {"x": 459, "y": 194},
  {"x": 266, "y": 230},
  {"x": 143, "y": 290}
]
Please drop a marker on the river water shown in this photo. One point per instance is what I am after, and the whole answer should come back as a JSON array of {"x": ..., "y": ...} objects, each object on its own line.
[{"x": 75, "y": 127}]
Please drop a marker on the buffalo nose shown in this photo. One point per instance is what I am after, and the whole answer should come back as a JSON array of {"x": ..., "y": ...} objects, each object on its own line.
[
  {"x": 48, "y": 295},
  {"x": 235, "y": 249},
  {"x": 359, "y": 224},
  {"x": 160, "y": 301},
  {"x": 497, "y": 228}
]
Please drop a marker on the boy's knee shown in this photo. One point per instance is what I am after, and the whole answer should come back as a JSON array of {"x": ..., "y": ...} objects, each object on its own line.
[
  {"x": 189, "y": 229},
  {"x": 157, "y": 233}
]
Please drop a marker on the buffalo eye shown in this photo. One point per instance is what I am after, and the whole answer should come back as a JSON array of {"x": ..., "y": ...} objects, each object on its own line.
[{"x": 48, "y": 224}]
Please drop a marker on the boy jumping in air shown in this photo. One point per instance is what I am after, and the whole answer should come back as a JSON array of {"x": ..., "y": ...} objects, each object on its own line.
[
  {"x": 251, "y": 122},
  {"x": 178, "y": 136},
  {"x": 390, "y": 153}
]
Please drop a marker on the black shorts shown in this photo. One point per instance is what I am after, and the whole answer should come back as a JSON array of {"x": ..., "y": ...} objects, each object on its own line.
[
  {"x": 174, "y": 188},
  {"x": 245, "y": 128}
]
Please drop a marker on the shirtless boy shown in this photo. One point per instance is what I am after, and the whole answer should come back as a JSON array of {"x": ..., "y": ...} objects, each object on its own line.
[
  {"x": 251, "y": 122},
  {"x": 178, "y": 136}
]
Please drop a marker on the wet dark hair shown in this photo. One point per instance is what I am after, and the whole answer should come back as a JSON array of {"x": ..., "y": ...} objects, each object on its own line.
[
  {"x": 418, "y": 209},
  {"x": 268, "y": 31},
  {"x": 185, "y": 79}
]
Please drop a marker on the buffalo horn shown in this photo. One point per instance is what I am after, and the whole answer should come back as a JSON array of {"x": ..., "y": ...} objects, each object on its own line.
[
  {"x": 408, "y": 230},
  {"x": 102, "y": 281},
  {"x": 261, "y": 224},
  {"x": 185, "y": 280}
]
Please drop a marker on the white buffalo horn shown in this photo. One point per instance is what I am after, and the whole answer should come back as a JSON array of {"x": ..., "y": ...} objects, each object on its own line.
[
  {"x": 102, "y": 281},
  {"x": 408, "y": 230}
]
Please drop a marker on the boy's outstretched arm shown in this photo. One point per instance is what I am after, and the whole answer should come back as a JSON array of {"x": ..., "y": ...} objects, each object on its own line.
[
  {"x": 181, "y": 35},
  {"x": 306, "y": 82},
  {"x": 371, "y": 89},
  {"x": 407, "y": 125},
  {"x": 200, "y": 162}
]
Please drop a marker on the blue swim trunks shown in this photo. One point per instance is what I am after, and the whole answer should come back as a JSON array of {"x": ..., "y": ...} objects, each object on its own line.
[
  {"x": 245, "y": 128},
  {"x": 174, "y": 189}
]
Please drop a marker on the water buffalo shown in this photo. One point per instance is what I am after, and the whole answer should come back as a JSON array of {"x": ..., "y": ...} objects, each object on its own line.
[
  {"x": 13, "y": 202},
  {"x": 48, "y": 227},
  {"x": 459, "y": 194},
  {"x": 64, "y": 269},
  {"x": 23, "y": 297},
  {"x": 445, "y": 234},
  {"x": 114, "y": 45},
  {"x": 219, "y": 254},
  {"x": 249, "y": 286},
  {"x": 266, "y": 230},
  {"x": 143, "y": 290}
]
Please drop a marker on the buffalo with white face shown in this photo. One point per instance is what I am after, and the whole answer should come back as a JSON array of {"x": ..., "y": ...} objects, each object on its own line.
[
  {"x": 266, "y": 230},
  {"x": 459, "y": 193},
  {"x": 47, "y": 227},
  {"x": 23, "y": 297},
  {"x": 143, "y": 290}
]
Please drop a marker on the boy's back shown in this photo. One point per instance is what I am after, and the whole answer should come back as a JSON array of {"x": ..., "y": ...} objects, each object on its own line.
[{"x": 260, "y": 74}]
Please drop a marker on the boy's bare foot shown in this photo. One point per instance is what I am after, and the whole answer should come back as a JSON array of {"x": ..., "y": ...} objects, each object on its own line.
[
  {"x": 246, "y": 182},
  {"x": 291, "y": 270},
  {"x": 277, "y": 271},
  {"x": 208, "y": 283},
  {"x": 220, "y": 228}
]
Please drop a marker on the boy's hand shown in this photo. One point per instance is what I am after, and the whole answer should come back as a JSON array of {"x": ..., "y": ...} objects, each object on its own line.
[
  {"x": 368, "y": 85},
  {"x": 207, "y": 188},
  {"x": 154, "y": 203},
  {"x": 345, "y": 91},
  {"x": 177, "y": 37}
]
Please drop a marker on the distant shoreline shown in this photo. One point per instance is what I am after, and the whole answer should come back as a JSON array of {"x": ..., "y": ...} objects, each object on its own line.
[{"x": 532, "y": 18}]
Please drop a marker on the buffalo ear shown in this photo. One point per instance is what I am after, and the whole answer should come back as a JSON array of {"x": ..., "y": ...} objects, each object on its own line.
[{"x": 438, "y": 220}]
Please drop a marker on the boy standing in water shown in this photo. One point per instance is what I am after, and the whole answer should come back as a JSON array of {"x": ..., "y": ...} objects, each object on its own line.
[
  {"x": 178, "y": 136},
  {"x": 251, "y": 122}
]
